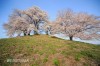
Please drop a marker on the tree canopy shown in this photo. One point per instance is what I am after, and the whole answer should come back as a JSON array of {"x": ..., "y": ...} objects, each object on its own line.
[
  {"x": 81, "y": 25},
  {"x": 24, "y": 21},
  {"x": 72, "y": 24}
]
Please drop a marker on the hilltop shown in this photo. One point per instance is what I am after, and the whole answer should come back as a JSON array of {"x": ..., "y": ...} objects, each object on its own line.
[{"x": 44, "y": 50}]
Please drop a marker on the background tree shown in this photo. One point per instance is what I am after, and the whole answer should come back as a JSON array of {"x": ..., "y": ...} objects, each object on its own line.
[
  {"x": 48, "y": 27},
  {"x": 81, "y": 25},
  {"x": 51, "y": 28},
  {"x": 12, "y": 26},
  {"x": 36, "y": 16},
  {"x": 25, "y": 21}
]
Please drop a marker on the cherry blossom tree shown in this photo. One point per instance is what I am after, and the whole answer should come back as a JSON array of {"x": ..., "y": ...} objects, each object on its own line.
[
  {"x": 15, "y": 23},
  {"x": 25, "y": 21},
  {"x": 81, "y": 25},
  {"x": 36, "y": 16}
]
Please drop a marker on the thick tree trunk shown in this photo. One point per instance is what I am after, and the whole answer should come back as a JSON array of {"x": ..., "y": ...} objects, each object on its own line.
[
  {"x": 24, "y": 34},
  {"x": 47, "y": 33},
  {"x": 35, "y": 33},
  {"x": 37, "y": 27},
  {"x": 71, "y": 38},
  {"x": 18, "y": 35},
  {"x": 28, "y": 34}
]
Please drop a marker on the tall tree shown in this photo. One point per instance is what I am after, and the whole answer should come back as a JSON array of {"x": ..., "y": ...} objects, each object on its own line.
[
  {"x": 81, "y": 25},
  {"x": 25, "y": 21},
  {"x": 14, "y": 23},
  {"x": 36, "y": 16}
]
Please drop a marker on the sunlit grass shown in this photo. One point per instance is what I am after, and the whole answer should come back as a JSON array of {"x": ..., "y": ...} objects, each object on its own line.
[{"x": 43, "y": 50}]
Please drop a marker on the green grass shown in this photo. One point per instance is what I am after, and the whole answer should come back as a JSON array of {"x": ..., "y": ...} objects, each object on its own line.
[
  {"x": 56, "y": 62},
  {"x": 43, "y": 50}
]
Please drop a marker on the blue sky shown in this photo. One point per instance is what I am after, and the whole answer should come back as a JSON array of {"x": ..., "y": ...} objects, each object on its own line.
[{"x": 50, "y": 6}]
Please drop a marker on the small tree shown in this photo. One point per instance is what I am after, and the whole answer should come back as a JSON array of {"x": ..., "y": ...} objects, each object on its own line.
[
  {"x": 50, "y": 28},
  {"x": 81, "y": 25}
]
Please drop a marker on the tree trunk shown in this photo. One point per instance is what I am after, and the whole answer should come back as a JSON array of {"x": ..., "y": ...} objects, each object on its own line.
[
  {"x": 28, "y": 34},
  {"x": 35, "y": 33},
  {"x": 24, "y": 34},
  {"x": 18, "y": 35},
  {"x": 47, "y": 33},
  {"x": 71, "y": 38}
]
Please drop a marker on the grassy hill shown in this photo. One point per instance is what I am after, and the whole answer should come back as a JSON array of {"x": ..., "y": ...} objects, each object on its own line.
[{"x": 43, "y": 50}]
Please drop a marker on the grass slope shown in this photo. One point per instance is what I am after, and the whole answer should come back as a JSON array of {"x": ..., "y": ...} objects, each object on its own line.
[{"x": 43, "y": 50}]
